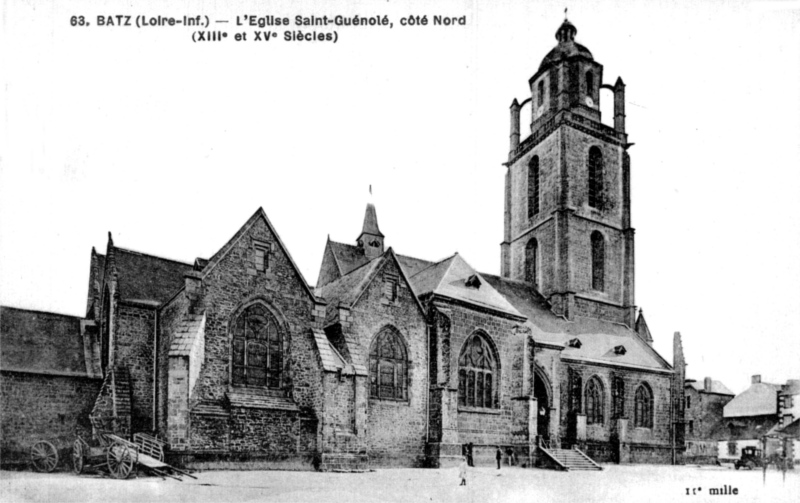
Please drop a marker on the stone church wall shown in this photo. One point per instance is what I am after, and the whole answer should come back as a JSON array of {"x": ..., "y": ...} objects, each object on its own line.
[
  {"x": 169, "y": 319},
  {"x": 36, "y": 407},
  {"x": 647, "y": 444},
  {"x": 135, "y": 330},
  {"x": 253, "y": 436},
  {"x": 396, "y": 430},
  {"x": 488, "y": 426}
]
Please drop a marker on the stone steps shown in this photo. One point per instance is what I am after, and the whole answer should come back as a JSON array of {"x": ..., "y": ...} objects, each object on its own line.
[{"x": 572, "y": 459}]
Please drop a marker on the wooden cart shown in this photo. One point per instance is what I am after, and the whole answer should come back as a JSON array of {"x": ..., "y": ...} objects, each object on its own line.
[{"x": 118, "y": 456}]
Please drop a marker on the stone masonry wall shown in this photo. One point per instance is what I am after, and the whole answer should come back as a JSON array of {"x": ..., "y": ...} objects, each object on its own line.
[
  {"x": 228, "y": 288},
  {"x": 169, "y": 319},
  {"x": 489, "y": 426},
  {"x": 43, "y": 407},
  {"x": 134, "y": 351},
  {"x": 656, "y": 437},
  {"x": 396, "y": 430}
]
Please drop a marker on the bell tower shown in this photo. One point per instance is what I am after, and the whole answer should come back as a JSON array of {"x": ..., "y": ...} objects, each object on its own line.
[{"x": 567, "y": 227}]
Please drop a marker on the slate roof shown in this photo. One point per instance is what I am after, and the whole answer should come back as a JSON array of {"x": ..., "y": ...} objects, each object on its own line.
[
  {"x": 147, "y": 277},
  {"x": 412, "y": 265},
  {"x": 331, "y": 360},
  {"x": 350, "y": 257},
  {"x": 192, "y": 327},
  {"x": 47, "y": 343},
  {"x": 757, "y": 400},
  {"x": 598, "y": 337},
  {"x": 448, "y": 278},
  {"x": 790, "y": 430},
  {"x": 346, "y": 289},
  {"x": 716, "y": 387}
]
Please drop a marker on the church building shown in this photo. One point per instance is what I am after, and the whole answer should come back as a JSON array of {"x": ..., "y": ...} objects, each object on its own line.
[{"x": 390, "y": 360}]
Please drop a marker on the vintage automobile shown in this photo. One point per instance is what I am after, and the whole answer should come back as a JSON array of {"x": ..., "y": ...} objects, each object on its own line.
[{"x": 751, "y": 458}]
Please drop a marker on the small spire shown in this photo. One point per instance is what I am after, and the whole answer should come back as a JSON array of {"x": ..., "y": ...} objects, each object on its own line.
[
  {"x": 110, "y": 239},
  {"x": 565, "y": 13},
  {"x": 371, "y": 222}
]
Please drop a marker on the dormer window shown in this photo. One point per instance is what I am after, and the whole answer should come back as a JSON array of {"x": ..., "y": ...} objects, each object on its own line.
[
  {"x": 473, "y": 282},
  {"x": 575, "y": 343},
  {"x": 620, "y": 350}
]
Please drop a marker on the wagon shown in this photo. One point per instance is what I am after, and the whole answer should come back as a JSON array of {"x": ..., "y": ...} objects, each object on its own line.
[{"x": 118, "y": 456}]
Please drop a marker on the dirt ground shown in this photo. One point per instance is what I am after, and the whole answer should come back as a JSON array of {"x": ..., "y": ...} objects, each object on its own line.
[{"x": 615, "y": 484}]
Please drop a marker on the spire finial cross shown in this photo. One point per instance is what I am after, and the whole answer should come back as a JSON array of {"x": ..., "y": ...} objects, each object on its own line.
[{"x": 565, "y": 13}]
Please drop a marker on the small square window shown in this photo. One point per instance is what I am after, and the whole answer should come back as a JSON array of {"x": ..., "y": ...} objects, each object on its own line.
[{"x": 262, "y": 258}]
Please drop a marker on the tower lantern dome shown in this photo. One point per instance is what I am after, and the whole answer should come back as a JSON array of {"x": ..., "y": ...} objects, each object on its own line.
[
  {"x": 566, "y": 32},
  {"x": 567, "y": 47}
]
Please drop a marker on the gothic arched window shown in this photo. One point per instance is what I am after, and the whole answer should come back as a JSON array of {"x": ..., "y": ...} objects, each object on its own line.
[
  {"x": 594, "y": 401},
  {"x": 589, "y": 84},
  {"x": 388, "y": 366},
  {"x": 531, "y": 257},
  {"x": 643, "y": 412},
  {"x": 598, "y": 261},
  {"x": 477, "y": 374},
  {"x": 257, "y": 349},
  {"x": 595, "y": 178},
  {"x": 533, "y": 186}
]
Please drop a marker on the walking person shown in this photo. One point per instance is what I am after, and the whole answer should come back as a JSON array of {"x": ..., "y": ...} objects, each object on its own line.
[
  {"x": 498, "y": 455},
  {"x": 462, "y": 471}
]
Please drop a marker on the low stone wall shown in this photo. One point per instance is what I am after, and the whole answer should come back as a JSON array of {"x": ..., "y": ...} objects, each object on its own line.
[
  {"x": 36, "y": 407},
  {"x": 226, "y": 460}
]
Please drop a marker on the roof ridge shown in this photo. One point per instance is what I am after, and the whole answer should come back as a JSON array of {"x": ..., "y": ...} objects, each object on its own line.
[
  {"x": 117, "y": 248},
  {"x": 43, "y": 312},
  {"x": 433, "y": 264}
]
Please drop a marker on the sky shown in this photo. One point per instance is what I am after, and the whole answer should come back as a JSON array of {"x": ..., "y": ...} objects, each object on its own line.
[{"x": 171, "y": 145}]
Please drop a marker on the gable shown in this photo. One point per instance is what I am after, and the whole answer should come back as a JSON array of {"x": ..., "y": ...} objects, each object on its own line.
[
  {"x": 387, "y": 271},
  {"x": 350, "y": 288},
  {"x": 240, "y": 251}
]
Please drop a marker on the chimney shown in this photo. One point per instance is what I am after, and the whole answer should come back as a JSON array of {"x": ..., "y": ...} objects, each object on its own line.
[
  {"x": 707, "y": 384},
  {"x": 756, "y": 379}
]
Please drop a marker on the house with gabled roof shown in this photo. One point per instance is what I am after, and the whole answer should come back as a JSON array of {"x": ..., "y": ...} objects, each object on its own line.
[
  {"x": 705, "y": 424},
  {"x": 389, "y": 360}
]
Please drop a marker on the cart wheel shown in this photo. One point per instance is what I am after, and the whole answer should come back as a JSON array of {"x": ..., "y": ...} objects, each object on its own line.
[
  {"x": 78, "y": 456},
  {"x": 736, "y": 465},
  {"x": 120, "y": 461},
  {"x": 750, "y": 465},
  {"x": 44, "y": 456}
]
